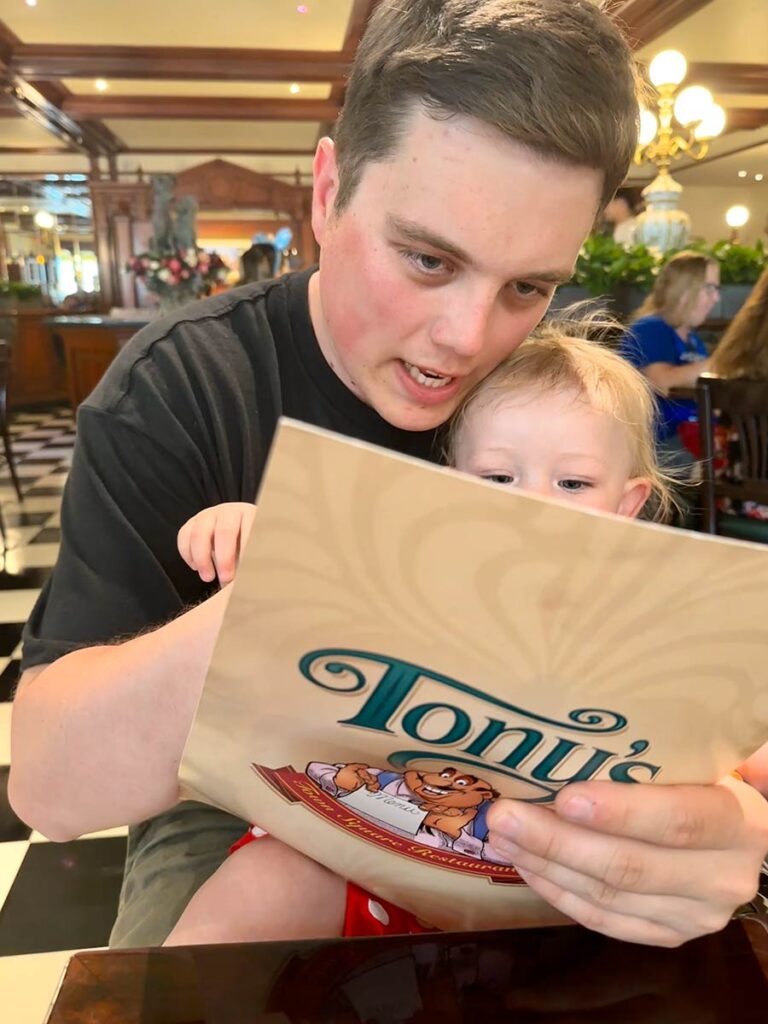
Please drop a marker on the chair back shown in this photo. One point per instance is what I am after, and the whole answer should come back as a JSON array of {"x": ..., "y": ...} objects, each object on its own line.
[{"x": 743, "y": 406}]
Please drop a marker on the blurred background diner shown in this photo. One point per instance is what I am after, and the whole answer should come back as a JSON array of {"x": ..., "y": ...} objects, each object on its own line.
[{"x": 150, "y": 155}]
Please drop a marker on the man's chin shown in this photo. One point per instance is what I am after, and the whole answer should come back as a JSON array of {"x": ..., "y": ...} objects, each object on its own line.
[{"x": 407, "y": 416}]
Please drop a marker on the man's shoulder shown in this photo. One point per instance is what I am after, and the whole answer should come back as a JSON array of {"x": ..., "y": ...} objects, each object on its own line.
[{"x": 225, "y": 338}]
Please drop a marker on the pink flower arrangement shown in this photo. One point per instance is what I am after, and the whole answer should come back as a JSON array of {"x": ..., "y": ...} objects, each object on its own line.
[{"x": 193, "y": 272}]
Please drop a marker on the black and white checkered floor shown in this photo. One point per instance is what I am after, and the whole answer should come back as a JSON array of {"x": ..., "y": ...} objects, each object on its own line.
[{"x": 54, "y": 898}]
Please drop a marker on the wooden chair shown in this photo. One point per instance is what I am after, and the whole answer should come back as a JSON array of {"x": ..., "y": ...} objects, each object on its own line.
[{"x": 743, "y": 406}]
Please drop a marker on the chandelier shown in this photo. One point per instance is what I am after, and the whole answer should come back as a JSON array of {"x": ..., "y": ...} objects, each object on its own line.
[
  {"x": 683, "y": 125},
  {"x": 698, "y": 117}
]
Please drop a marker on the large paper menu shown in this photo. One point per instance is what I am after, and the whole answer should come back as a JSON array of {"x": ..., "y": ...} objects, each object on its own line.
[{"x": 404, "y": 644}]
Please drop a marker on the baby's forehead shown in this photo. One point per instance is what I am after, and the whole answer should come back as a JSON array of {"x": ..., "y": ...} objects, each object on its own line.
[{"x": 497, "y": 398}]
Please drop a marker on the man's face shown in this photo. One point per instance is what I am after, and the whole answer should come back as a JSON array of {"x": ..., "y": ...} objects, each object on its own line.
[{"x": 444, "y": 260}]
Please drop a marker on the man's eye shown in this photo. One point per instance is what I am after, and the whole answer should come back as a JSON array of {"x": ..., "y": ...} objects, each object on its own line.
[
  {"x": 574, "y": 485},
  {"x": 526, "y": 290},
  {"x": 424, "y": 262},
  {"x": 499, "y": 478}
]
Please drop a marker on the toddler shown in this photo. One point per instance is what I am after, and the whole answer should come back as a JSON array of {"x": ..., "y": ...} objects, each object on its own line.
[{"x": 563, "y": 417}]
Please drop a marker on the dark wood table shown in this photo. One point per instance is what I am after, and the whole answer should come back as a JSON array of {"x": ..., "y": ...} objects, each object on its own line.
[{"x": 547, "y": 976}]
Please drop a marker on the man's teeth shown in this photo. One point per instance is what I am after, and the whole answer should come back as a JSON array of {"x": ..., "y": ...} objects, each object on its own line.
[
  {"x": 429, "y": 381},
  {"x": 435, "y": 790}
]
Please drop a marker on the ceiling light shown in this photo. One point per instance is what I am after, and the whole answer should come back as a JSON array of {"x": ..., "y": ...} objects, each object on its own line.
[
  {"x": 25, "y": 209},
  {"x": 668, "y": 68},
  {"x": 693, "y": 104},
  {"x": 302, "y": 9},
  {"x": 737, "y": 216},
  {"x": 44, "y": 220},
  {"x": 31, "y": 3},
  {"x": 295, "y": 87},
  {"x": 711, "y": 124},
  {"x": 101, "y": 85},
  {"x": 648, "y": 125},
  {"x": 759, "y": 177},
  {"x": 742, "y": 174}
]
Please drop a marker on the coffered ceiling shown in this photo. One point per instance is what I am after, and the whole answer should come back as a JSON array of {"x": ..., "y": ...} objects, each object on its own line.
[{"x": 257, "y": 81}]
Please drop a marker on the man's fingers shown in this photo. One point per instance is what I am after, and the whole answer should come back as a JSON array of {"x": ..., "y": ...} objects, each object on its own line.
[
  {"x": 685, "y": 817},
  {"x": 687, "y": 916},
  {"x": 607, "y": 922},
  {"x": 536, "y": 839}
]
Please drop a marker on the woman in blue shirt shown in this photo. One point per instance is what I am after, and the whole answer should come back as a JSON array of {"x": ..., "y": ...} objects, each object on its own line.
[{"x": 663, "y": 345}]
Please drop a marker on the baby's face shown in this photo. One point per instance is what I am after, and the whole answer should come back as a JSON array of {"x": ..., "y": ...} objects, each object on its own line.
[{"x": 553, "y": 445}]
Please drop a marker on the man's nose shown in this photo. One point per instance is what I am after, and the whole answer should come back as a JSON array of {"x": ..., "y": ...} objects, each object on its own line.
[{"x": 464, "y": 327}]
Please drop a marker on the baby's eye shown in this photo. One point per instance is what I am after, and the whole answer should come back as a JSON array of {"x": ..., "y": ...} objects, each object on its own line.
[
  {"x": 574, "y": 486},
  {"x": 499, "y": 478}
]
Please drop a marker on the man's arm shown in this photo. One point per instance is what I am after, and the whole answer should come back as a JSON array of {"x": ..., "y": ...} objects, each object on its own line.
[{"x": 97, "y": 736}]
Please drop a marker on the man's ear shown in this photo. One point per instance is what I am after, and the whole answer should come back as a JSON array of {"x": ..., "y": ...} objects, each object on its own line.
[
  {"x": 325, "y": 175},
  {"x": 636, "y": 492}
]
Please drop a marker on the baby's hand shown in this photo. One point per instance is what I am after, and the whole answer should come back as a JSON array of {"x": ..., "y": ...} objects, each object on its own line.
[{"x": 210, "y": 542}]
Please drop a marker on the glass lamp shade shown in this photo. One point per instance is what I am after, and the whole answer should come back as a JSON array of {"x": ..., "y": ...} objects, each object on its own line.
[
  {"x": 737, "y": 216},
  {"x": 712, "y": 124},
  {"x": 648, "y": 126},
  {"x": 668, "y": 68},
  {"x": 693, "y": 104},
  {"x": 44, "y": 220}
]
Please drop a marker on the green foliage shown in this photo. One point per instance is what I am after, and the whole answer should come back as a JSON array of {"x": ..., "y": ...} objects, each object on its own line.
[
  {"x": 19, "y": 291},
  {"x": 740, "y": 264},
  {"x": 604, "y": 265}
]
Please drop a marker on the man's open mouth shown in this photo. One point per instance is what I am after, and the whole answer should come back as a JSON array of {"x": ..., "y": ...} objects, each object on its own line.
[{"x": 427, "y": 378}]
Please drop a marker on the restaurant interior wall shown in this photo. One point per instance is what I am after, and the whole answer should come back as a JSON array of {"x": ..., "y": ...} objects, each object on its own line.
[{"x": 706, "y": 205}]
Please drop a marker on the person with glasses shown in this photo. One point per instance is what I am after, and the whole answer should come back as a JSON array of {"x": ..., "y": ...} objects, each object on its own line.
[{"x": 662, "y": 343}]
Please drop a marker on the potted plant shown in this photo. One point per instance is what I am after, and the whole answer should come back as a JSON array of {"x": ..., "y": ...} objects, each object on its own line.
[
  {"x": 740, "y": 267},
  {"x": 618, "y": 276},
  {"x": 15, "y": 293}
]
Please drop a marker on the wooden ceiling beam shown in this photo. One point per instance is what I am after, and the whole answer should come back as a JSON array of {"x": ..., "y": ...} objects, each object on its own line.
[
  {"x": 646, "y": 20},
  {"x": 748, "y": 79},
  {"x": 181, "y": 63},
  {"x": 209, "y": 151},
  {"x": 199, "y": 108},
  {"x": 8, "y": 43},
  {"x": 35, "y": 151},
  {"x": 744, "y": 119}
]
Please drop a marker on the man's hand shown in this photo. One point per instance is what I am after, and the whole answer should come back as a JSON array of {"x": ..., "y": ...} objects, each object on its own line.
[
  {"x": 651, "y": 864},
  {"x": 210, "y": 542}
]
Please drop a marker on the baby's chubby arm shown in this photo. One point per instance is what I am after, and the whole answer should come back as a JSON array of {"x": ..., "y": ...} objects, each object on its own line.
[{"x": 211, "y": 542}]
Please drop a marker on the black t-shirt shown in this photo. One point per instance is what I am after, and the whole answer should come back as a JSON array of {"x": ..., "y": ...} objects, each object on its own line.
[{"x": 182, "y": 420}]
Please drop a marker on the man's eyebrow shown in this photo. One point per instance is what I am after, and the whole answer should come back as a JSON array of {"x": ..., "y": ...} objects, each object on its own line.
[
  {"x": 417, "y": 233},
  {"x": 420, "y": 235}
]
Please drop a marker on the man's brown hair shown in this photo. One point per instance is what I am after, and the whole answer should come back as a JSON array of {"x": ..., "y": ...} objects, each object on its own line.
[{"x": 556, "y": 76}]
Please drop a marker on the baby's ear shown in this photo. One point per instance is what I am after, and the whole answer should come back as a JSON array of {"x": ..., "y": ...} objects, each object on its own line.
[{"x": 636, "y": 492}]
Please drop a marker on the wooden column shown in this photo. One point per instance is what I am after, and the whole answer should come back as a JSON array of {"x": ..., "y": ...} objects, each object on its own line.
[{"x": 120, "y": 211}]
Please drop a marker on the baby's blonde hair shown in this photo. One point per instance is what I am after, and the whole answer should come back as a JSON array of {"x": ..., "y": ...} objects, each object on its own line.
[{"x": 569, "y": 352}]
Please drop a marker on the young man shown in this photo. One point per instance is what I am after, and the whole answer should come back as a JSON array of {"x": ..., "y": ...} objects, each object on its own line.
[{"x": 479, "y": 140}]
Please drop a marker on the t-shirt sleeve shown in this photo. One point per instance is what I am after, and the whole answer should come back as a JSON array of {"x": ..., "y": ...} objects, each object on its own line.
[
  {"x": 118, "y": 571},
  {"x": 648, "y": 342}
]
